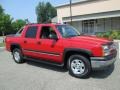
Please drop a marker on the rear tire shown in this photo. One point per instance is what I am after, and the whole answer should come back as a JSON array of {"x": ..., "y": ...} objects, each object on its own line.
[
  {"x": 18, "y": 56},
  {"x": 79, "y": 66}
]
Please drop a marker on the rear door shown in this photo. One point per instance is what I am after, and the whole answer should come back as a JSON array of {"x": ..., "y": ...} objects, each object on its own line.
[{"x": 29, "y": 41}]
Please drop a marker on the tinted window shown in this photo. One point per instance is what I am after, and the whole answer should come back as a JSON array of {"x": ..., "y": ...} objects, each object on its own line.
[
  {"x": 47, "y": 32},
  {"x": 31, "y": 32}
]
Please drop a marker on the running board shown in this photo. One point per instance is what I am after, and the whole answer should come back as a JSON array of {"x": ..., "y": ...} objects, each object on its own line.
[{"x": 44, "y": 61}]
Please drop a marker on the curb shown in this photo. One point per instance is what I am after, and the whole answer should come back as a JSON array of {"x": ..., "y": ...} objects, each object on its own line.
[
  {"x": 118, "y": 43},
  {"x": 119, "y": 49}
]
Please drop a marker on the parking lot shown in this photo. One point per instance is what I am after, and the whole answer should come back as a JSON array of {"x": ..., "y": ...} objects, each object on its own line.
[{"x": 37, "y": 76}]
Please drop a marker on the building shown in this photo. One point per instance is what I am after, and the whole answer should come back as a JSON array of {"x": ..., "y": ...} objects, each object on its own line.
[{"x": 91, "y": 16}]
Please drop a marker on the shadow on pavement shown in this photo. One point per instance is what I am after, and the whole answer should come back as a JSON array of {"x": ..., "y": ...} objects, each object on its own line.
[
  {"x": 46, "y": 66},
  {"x": 102, "y": 73}
]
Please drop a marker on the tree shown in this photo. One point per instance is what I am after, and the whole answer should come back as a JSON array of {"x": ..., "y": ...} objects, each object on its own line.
[
  {"x": 18, "y": 24},
  {"x": 1, "y": 16},
  {"x": 5, "y": 22},
  {"x": 7, "y": 25},
  {"x": 1, "y": 9},
  {"x": 45, "y": 12}
]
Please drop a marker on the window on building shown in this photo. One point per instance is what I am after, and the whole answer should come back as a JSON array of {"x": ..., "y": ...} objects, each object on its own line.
[
  {"x": 89, "y": 26},
  {"x": 115, "y": 23}
]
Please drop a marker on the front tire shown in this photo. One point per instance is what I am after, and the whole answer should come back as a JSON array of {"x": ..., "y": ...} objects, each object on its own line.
[
  {"x": 18, "y": 56},
  {"x": 79, "y": 66}
]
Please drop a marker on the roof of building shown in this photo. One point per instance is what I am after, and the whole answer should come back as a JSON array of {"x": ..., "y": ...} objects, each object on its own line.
[{"x": 74, "y": 2}]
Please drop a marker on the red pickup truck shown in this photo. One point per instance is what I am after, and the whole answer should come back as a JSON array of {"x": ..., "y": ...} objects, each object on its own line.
[{"x": 61, "y": 45}]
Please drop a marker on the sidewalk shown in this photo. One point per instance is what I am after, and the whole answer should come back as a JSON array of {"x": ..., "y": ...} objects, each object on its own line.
[
  {"x": 2, "y": 47},
  {"x": 1, "y": 39}
]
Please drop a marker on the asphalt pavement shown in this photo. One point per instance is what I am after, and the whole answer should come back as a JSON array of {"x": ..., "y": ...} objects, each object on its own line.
[{"x": 37, "y": 76}]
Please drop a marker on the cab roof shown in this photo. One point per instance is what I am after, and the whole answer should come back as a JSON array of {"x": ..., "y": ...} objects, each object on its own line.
[{"x": 32, "y": 24}]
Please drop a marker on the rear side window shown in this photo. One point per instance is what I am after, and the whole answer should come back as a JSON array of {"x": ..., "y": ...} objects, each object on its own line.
[{"x": 31, "y": 32}]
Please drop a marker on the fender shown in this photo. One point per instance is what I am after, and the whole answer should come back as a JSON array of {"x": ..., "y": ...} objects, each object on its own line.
[
  {"x": 66, "y": 50},
  {"x": 16, "y": 45}
]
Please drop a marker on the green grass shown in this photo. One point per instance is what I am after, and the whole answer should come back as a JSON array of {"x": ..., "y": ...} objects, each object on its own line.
[{"x": 1, "y": 44}]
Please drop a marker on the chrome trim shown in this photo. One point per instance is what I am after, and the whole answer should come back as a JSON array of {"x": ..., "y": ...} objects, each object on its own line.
[
  {"x": 42, "y": 52},
  {"x": 97, "y": 58},
  {"x": 102, "y": 64}
]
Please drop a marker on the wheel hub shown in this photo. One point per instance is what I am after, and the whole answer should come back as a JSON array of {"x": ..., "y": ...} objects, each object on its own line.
[{"x": 77, "y": 66}]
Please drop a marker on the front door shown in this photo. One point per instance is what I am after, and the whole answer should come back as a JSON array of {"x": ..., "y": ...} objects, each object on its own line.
[{"x": 50, "y": 48}]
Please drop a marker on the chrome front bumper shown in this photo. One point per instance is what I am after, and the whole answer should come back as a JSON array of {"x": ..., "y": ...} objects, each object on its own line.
[
  {"x": 98, "y": 63},
  {"x": 102, "y": 64}
]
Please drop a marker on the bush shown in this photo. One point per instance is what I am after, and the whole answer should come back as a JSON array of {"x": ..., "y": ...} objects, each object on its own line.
[{"x": 114, "y": 34}]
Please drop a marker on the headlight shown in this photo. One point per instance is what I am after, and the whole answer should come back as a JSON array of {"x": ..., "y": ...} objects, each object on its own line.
[
  {"x": 113, "y": 46},
  {"x": 106, "y": 50}
]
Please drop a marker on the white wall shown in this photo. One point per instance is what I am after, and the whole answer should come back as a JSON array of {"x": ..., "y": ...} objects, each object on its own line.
[{"x": 88, "y": 8}]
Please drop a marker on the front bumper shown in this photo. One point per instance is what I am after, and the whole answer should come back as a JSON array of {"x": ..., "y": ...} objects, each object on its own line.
[{"x": 98, "y": 63}]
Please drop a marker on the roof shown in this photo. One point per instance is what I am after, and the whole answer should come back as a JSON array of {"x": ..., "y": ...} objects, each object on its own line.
[
  {"x": 74, "y": 3},
  {"x": 34, "y": 24}
]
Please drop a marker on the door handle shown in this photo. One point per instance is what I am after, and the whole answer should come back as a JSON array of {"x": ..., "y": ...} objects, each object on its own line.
[
  {"x": 39, "y": 42},
  {"x": 25, "y": 41}
]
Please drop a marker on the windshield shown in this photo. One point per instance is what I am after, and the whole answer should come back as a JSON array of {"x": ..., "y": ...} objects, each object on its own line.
[
  {"x": 67, "y": 31},
  {"x": 19, "y": 32}
]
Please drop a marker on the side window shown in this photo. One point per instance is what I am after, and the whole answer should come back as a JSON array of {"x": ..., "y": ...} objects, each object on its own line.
[
  {"x": 47, "y": 32},
  {"x": 31, "y": 32}
]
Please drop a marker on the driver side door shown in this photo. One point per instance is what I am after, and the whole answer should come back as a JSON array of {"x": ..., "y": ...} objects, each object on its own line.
[{"x": 50, "y": 48}]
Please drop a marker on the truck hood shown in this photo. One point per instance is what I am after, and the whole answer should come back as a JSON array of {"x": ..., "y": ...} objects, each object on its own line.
[{"x": 90, "y": 40}]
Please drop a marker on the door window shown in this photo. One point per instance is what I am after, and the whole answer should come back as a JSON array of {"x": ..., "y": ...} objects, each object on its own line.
[
  {"x": 47, "y": 32},
  {"x": 31, "y": 32}
]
